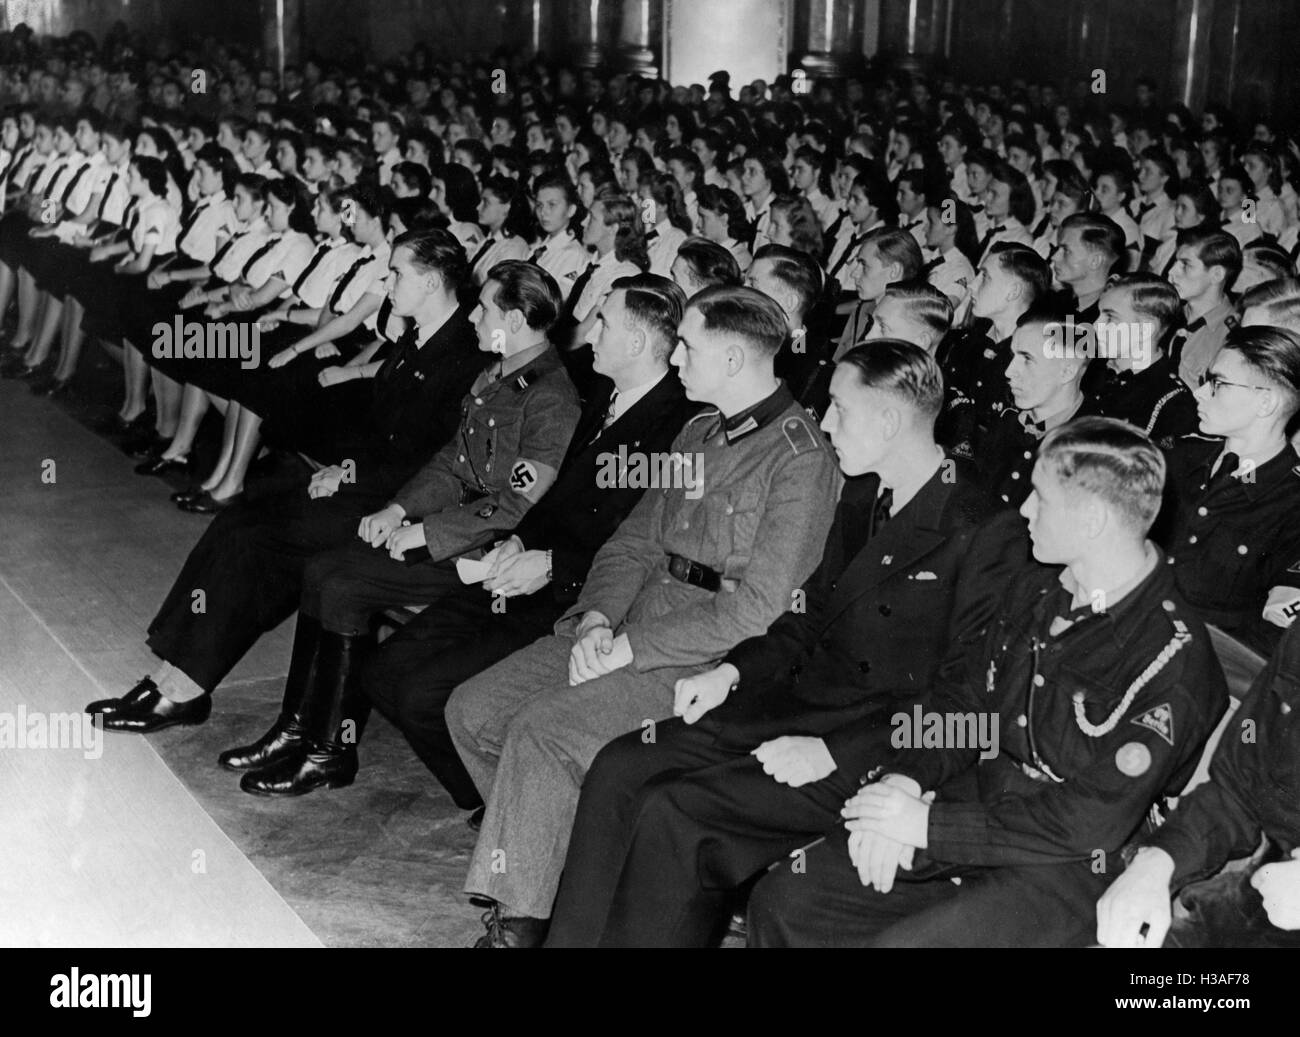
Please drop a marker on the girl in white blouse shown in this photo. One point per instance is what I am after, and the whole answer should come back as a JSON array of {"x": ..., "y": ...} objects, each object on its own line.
[{"x": 503, "y": 214}]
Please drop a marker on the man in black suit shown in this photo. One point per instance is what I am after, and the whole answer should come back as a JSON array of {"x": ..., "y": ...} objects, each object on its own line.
[
  {"x": 667, "y": 829},
  {"x": 249, "y": 563},
  {"x": 639, "y": 408}
]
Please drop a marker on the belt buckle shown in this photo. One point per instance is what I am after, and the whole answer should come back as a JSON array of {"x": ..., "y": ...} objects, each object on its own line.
[{"x": 694, "y": 573}]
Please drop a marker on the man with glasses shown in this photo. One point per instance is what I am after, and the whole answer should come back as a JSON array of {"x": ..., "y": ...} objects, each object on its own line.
[{"x": 1230, "y": 519}]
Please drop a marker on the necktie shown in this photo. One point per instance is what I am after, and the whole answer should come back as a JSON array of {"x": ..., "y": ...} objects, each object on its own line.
[
  {"x": 190, "y": 220},
  {"x": 578, "y": 286},
  {"x": 880, "y": 514},
  {"x": 322, "y": 250},
  {"x": 651, "y": 236},
  {"x": 72, "y": 184},
  {"x": 259, "y": 254},
  {"x": 853, "y": 245},
  {"x": 609, "y": 411},
  {"x": 221, "y": 252},
  {"x": 832, "y": 232},
  {"x": 14, "y": 162},
  {"x": 488, "y": 242},
  {"x": 1145, "y": 208},
  {"x": 108, "y": 193},
  {"x": 345, "y": 280},
  {"x": 933, "y": 264},
  {"x": 988, "y": 238},
  {"x": 1041, "y": 229},
  {"x": 537, "y": 253},
  {"x": 53, "y": 183}
]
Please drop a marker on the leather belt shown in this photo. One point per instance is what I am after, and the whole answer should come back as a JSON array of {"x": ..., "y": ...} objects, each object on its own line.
[{"x": 694, "y": 573}]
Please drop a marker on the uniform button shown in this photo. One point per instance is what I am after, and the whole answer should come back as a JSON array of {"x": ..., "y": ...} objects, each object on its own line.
[
  {"x": 1006, "y": 499},
  {"x": 492, "y": 422},
  {"x": 834, "y": 584},
  {"x": 1192, "y": 539},
  {"x": 1167, "y": 605},
  {"x": 1022, "y": 721},
  {"x": 594, "y": 510},
  {"x": 1202, "y": 511},
  {"x": 885, "y": 610},
  {"x": 1039, "y": 680},
  {"x": 1028, "y": 455},
  {"x": 1242, "y": 549},
  {"x": 1015, "y": 475},
  {"x": 478, "y": 401},
  {"x": 461, "y": 459},
  {"x": 686, "y": 523},
  {"x": 471, "y": 430}
]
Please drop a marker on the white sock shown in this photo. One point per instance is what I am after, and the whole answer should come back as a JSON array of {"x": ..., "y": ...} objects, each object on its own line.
[{"x": 176, "y": 686}]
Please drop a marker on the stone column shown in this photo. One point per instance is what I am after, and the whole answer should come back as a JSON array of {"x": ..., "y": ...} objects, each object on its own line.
[
  {"x": 281, "y": 34},
  {"x": 584, "y": 32},
  {"x": 830, "y": 34},
  {"x": 1191, "y": 52},
  {"x": 913, "y": 33},
  {"x": 639, "y": 37}
]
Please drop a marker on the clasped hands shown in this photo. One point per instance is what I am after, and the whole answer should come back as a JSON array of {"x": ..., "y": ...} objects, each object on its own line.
[{"x": 888, "y": 822}]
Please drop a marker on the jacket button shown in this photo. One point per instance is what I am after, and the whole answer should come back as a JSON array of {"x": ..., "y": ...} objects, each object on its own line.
[{"x": 1202, "y": 511}]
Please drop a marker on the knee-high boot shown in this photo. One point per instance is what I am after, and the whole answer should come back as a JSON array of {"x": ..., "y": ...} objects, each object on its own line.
[
  {"x": 287, "y": 734},
  {"x": 333, "y": 714}
]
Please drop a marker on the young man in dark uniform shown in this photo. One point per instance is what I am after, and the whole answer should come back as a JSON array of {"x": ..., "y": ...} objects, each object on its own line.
[{"x": 1104, "y": 689}]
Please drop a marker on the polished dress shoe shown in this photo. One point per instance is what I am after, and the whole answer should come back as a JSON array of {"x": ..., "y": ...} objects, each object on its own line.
[
  {"x": 285, "y": 739},
  {"x": 512, "y": 932},
  {"x": 152, "y": 711},
  {"x": 161, "y": 465},
  {"x": 206, "y": 504},
  {"x": 320, "y": 766},
  {"x": 109, "y": 707}
]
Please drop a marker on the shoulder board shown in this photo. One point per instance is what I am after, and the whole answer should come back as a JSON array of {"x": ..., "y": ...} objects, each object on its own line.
[
  {"x": 523, "y": 380},
  {"x": 1296, "y": 470},
  {"x": 800, "y": 437}
]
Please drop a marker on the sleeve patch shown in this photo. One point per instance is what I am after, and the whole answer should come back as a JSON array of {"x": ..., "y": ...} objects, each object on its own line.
[
  {"x": 1133, "y": 759},
  {"x": 523, "y": 476},
  {"x": 1159, "y": 719}
]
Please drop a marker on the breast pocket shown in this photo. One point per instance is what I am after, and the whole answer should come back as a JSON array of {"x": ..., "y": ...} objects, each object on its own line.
[
  {"x": 496, "y": 444},
  {"x": 736, "y": 516}
]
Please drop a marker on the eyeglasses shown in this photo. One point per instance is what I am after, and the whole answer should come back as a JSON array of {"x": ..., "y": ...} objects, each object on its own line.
[{"x": 1215, "y": 382}]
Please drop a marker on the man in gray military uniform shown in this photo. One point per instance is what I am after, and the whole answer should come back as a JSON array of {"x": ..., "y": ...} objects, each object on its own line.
[{"x": 701, "y": 563}]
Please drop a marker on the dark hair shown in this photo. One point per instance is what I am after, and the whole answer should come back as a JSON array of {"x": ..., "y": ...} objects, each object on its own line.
[
  {"x": 798, "y": 271},
  {"x": 902, "y": 370},
  {"x": 1214, "y": 247},
  {"x": 727, "y": 204},
  {"x": 1111, "y": 460},
  {"x": 1026, "y": 266},
  {"x": 668, "y": 199},
  {"x": 369, "y": 198},
  {"x": 1160, "y": 158},
  {"x": 437, "y": 249},
  {"x": 967, "y": 240},
  {"x": 416, "y": 213},
  {"x": 255, "y": 185},
  {"x": 526, "y": 287},
  {"x": 710, "y": 264},
  {"x": 624, "y": 213},
  {"x": 1274, "y": 353},
  {"x": 925, "y": 303},
  {"x": 1021, "y": 205},
  {"x": 152, "y": 172},
  {"x": 656, "y": 304},
  {"x": 512, "y": 192},
  {"x": 745, "y": 313},
  {"x": 1098, "y": 233},
  {"x": 773, "y": 169},
  {"x": 897, "y": 246},
  {"x": 1154, "y": 297},
  {"x": 291, "y": 192},
  {"x": 1203, "y": 201},
  {"x": 417, "y": 176}
]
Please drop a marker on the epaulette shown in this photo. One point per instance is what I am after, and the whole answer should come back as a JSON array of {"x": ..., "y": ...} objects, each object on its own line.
[
  {"x": 523, "y": 380},
  {"x": 800, "y": 437}
]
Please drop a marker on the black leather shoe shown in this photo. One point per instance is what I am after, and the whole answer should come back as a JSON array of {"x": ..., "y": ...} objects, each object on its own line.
[
  {"x": 109, "y": 707},
  {"x": 182, "y": 496},
  {"x": 321, "y": 766},
  {"x": 475, "y": 820},
  {"x": 286, "y": 738},
  {"x": 512, "y": 932},
  {"x": 153, "y": 712},
  {"x": 162, "y": 465},
  {"x": 206, "y": 504}
]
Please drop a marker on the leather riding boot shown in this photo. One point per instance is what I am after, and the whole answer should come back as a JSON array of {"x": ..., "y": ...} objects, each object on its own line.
[
  {"x": 286, "y": 735},
  {"x": 333, "y": 715}
]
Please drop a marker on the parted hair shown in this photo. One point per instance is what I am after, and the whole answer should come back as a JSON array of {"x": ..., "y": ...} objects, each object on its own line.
[
  {"x": 624, "y": 213},
  {"x": 745, "y": 313},
  {"x": 438, "y": 249},
  {"x": 657, "y": 305},
  {"x": 896, "y": 245},
  {"x": 797, "y": 270},
  {"x": 925, "y": 304},
  {"x": 1273, "y": 353},
  {"x": 1112, "y": 460},
  {"x": 526, "y": 287},
  {"x": 1152, "y": 297},
  {"x": 902, "y": 370},
  {"x": 1214, "y": 247},
  {"x": 1099, "y": 234},
  {"x": 1280, "y": 301}
]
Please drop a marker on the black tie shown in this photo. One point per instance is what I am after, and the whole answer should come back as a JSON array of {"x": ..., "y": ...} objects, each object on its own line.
[
  {"x": 322, "y": 250},
  {"x": 488, "y": 242},
  {"x": 576, "y": 293},
  {"x": 221, "y": 252},
  {"x": 14, "y": 162},
  {"x": 345, "y": 280},
  {"x": 190, "y": 220},
  {"x": 108, "y": 193},
  {"x": 651, "y": 236},
  {"x": 854, "y": 243},
  {"x": 988, "y": 238},
  {"x": 1043, "y": 224},
  {"x": 258, "y": 255},
  {"x": 1037, "y": 429},
  {"x": 54, "y": 182},
  {"x": 537, "y": 253},
  {"x": 833, "y": 231},
  {"x": 881, "y": 512},
  {"x": 1145, "y": 208},
  {"x": 72, "y": 184},
  {"x": 933, "y": 264}
]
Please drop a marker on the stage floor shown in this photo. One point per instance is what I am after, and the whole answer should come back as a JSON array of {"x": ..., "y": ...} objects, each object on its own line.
[{"x": 146, "y": 842}]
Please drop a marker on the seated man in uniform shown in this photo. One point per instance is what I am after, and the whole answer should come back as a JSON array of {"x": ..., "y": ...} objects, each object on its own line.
[
  {"x": 711, "y": 555},
  {"x": 772, "y": 740},
  {"x": 1230, "y": 523},
  {"x": 1205, "y": 265},
  {"x": 1104, "y": 688},
  {"x": 1254, "y": 789}
]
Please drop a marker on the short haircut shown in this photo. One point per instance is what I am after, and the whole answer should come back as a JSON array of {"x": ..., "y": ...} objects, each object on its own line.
[
  {"x": 710, "y": 263},
  {"x": 526, "y": 287},
  {"x": 1111, "y": 460},
  {"x": 1214, "y": 247},
  {"x": 746, "y": 313},
  {"x": 1152, "y": 297},
  {"x": 1270, "y": 256},
  {"x": 798, "y": 271},
  {"x": 656, "y": 304},
  {"x": 1280, "y": 301},
  {"x": 896, "y": 245},
  {"x": 925, "y": 304},
  {"x": 902, "y": 370},
  {"x": 1025, "y": 265},
  {"x": 1274, "y": 354},
  {"x": 1098, "y": 233},
  {"x": 437, "y": 250}
]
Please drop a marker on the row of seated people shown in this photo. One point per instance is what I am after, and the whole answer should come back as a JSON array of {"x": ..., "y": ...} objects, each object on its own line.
[{"x": 625, "y": 578}]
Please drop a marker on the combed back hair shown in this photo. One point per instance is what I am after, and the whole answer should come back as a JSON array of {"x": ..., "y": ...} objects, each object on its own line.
[
  {"x": 902, "y": 370},
  {"x": 526, "y": 287},
  {"x": 656, "y": 304},
  {"x": 1271, "y": 257},
  {"x": 438, "y": 250},
  {"x": 925, "y": 304},
  {"x": 798, "y": 271},
  {"x": 1154, "y": 298},
  {"x": 1279, "y": 300},
  {"x": 746, "y": 313},
  {"x": 1214, "y": 247},
  {"x": 805, "y": 228},
  {"x": 368, "y": 198},
  {"x": 1111, "y": 460},
  {"x": 254, "y": 184},
  {"x": 1098, "y": 233},
  {"x": 1026, "y": 266},
  {"x": 710, "y": 264},
  {"x": 416, "y": 214},
  {"x": 896, "y": 245},
  {"x": 1274, "y": 354}
]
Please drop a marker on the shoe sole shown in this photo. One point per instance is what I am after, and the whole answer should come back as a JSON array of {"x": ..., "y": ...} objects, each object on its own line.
[
  {"x": 151, "y": 730},
  {"x": 268, "y": 794}
]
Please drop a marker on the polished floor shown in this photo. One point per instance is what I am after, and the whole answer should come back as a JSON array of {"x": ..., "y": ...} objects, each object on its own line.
[{"x": 149, "y": 842}]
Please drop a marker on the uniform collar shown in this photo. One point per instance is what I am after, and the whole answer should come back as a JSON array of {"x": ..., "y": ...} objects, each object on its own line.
[
  {"x": 751, "y": 419},
  {"x": 1132, "y": 604}
]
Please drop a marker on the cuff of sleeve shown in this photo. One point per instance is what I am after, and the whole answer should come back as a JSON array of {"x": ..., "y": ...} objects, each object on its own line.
[
  {"x": 953, "y": 825},
  {"x": 1187, "y": 851}
]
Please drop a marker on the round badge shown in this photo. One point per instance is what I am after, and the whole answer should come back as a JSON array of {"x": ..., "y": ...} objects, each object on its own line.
[{"x": 1133, "y": 759}]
